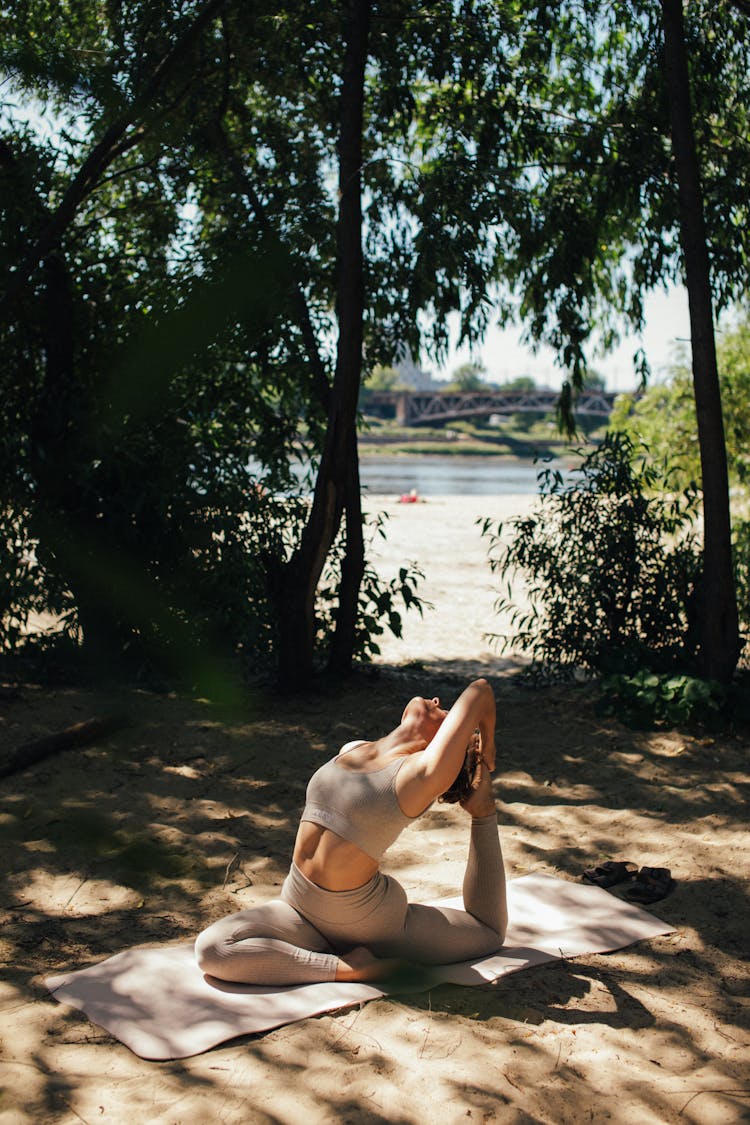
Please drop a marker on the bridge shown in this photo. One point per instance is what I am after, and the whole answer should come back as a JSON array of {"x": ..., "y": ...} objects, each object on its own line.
[{"x": 418, "y": 408}]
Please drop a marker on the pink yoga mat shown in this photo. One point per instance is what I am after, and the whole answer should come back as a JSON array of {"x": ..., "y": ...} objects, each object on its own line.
[{"x": 158, "y": 1003}]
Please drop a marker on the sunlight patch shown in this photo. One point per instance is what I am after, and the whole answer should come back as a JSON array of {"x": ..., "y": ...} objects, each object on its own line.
[{"x": 75, "y": 894}]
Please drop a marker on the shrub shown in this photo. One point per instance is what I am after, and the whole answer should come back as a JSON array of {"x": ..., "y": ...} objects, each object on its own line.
[
  {"x": 610, "y": 561},
  {"x": 741, "y": 548},
  {"x": 646, "y": 698}
]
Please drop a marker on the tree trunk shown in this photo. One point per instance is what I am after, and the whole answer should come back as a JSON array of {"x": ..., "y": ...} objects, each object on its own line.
[
  {"x": 337, "y": 484},
  {"x": 352, "y": 569},
  {"x": 718, "y": 627}
]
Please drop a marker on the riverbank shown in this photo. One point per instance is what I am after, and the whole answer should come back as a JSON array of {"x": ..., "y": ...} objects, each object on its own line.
[
  {"x": 440, "y": 535},
  {"x": 513, "y": 449},
  {"x": 500, "y": 443}
]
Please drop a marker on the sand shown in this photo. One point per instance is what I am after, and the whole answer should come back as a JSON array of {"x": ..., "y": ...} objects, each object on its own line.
[
  {"x": 441, "y": 536},
  {"x": 190, "y": 813}
]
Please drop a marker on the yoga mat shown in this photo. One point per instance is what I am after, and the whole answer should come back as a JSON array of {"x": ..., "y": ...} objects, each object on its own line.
[{"x": 158, "y": 1003}]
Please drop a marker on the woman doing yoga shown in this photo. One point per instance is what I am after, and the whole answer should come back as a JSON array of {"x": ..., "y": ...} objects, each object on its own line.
[{"x": 339, "y": 918}]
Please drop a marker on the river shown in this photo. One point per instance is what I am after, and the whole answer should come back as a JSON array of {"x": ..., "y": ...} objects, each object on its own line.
[
  {"x": 436, "y": 475},
  {"x": 433, "y": 474}
]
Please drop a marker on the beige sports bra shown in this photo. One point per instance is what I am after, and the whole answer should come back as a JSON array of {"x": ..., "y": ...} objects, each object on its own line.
[{"x": 361, "y": 807}]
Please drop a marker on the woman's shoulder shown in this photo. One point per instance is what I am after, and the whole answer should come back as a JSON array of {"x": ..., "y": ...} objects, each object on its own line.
[{"x": 351, "y": 746}]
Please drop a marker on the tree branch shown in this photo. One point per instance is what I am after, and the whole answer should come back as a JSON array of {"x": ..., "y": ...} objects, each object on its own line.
[
  {"x": 80, "y": 734},
  {"x": 112, "y": 143}
]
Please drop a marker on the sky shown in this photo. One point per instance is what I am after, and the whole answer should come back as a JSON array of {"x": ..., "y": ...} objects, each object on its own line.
[{"x": 505, "y": 357}]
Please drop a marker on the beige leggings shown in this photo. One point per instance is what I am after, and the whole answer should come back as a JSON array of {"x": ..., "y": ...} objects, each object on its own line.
[{"x": 296, "y": 939}]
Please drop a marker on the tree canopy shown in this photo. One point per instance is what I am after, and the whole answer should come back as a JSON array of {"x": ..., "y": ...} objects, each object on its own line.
[
  {"x": 216, "y": 218},
  {"x": 600, "y": 226},
  {"x": 467, "y": 377}
]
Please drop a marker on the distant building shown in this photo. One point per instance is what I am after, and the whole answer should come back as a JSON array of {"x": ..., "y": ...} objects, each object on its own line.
[{"x": 412, "y": 375}]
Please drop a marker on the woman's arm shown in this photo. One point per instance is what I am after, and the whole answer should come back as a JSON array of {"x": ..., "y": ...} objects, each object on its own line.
[{"x": 431, "y": 771}]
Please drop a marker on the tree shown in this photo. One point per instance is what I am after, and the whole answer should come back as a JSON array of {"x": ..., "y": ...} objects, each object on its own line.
[
  {"x": 594, "y": 380},
  {"x": 216, "y": 132},
  {"x": 719, "y": 624},
  {"x": 467, "y": 378},
  {"x": 734, "y": 373},
  {"x": 135, "y": 361},
  {"x": 520, "y": 383},
  {"x": 618, "y": 207},
  {"x": 383, "y": 378},
  {"x": 337, "y": 488},
  {"x": 661, "y": 424}
]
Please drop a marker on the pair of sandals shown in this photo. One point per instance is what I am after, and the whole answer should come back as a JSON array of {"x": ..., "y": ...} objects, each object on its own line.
[{"x": 650, "y": 883}]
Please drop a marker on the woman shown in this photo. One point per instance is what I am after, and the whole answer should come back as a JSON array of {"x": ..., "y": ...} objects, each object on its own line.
[{"x": 339, "y": 918}]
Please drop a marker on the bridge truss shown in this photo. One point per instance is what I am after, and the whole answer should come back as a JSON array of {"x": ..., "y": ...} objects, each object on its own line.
[{"x": 417, "y": 408}]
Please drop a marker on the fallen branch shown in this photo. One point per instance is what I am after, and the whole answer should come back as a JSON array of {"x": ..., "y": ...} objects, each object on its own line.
[{"x": 80, "y": 734}]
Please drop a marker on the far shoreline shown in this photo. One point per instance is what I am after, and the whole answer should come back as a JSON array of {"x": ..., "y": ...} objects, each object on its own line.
[{"x": 458, "y": 449}]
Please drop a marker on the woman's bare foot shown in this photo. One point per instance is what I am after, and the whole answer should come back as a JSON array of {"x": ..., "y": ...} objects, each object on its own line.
[
  {"x": 361, "y": 965},
  {"x": 481, "y": 801}
]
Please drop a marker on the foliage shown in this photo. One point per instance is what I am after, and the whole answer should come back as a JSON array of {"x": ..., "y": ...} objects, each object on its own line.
[
  {"x": 741, "y": 552},
  {"x": 645, "y": 698},
  {"x": 384, "y": 379},
  {"x": 164, "y": 343},
  {"x": 600, "y": 225},
  {"x": 381, "y": 601},
  {"x": 178, "y": 191},
  {"x": 520, "y": 383},
  {"x": 662, "y": 422},
  {"x": 129, "y": 481},
  {"x": 171, "y": 167},
  {"x": 467, "y": 378},
  {"x": 610, "y": 563}
]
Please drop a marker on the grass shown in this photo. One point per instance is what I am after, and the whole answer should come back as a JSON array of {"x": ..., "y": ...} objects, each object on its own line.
[{"x": 466, "y": 439}]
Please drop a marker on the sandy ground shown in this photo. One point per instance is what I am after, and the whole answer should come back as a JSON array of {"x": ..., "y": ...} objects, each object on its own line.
[
  {"x": 189, "y": 813},
  {"x": 441, "y": 537}
]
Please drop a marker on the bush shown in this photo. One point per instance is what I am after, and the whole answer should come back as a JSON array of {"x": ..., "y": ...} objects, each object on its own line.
[
  {"x": 199, "y": 594},
  {"x": 646, "y": 698},
  {"x": 741, "y": 549},
  {"x": 610, "y": 562}
]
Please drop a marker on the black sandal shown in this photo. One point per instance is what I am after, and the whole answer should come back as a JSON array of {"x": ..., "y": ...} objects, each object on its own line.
[
  {"x": 651, "y": 885},
  {"x": 610, "y": 872}
]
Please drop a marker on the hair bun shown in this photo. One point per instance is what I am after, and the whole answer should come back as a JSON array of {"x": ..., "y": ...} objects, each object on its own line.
[{"x": 468, "y": 776}]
